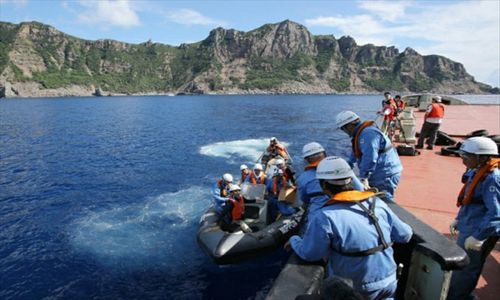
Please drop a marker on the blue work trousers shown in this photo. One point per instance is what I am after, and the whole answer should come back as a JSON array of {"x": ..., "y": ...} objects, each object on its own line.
[
  {"x": 388, "y": 184},
  {"x": 463, "y": 282}
]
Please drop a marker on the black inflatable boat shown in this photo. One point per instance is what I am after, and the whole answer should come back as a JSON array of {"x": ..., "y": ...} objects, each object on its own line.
[{"x": 231, "y": 247}]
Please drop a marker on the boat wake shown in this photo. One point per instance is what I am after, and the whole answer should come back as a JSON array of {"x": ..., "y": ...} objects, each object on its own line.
[
  {"x": 158, "y": 232},
  {"x": 237, "y": 151}
]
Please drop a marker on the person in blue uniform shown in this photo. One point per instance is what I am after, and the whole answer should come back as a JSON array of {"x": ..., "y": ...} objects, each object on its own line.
[
  {"x": 309, "y": 189},
  {"x": 220, "y": 191},
  {"x": 377, "y": 160},
  {"x": 478, "y": 220},
  {"x": 355, "y": 230}
]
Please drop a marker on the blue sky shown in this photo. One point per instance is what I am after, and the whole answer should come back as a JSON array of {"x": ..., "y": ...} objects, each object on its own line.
[{"x": 465, "y": 31}]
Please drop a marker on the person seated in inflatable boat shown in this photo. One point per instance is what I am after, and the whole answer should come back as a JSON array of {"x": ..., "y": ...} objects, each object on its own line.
[
  {"x": 257, "y": 176},
  {"x": 232, "y": 214},
  {"x": 279, "y": 179},
  {"x": 220, "y": 191},
  {"x": 276, "y": 149}
]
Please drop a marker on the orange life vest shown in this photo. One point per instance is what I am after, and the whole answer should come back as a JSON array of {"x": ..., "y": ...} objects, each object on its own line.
[
  {"x": 275, "y": 182},
  {"x": 312, "y": 165},
  {"x": 238, "y": 208},
  {"x": 355, "y": 140},
  {"x": 350, "y": 196},
  {"x": 278, "y": 149},
  {"x": 466, "y": 198},
  {"x": 400, "y": 104},
  {"x": 253, "y": 179},
  {"x": 437, "y": 111},
  {"x": 223, "y": 191}
]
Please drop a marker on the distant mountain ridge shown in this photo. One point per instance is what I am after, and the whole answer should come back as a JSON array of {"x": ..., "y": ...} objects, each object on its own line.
[{"x": 38, "y": 60}]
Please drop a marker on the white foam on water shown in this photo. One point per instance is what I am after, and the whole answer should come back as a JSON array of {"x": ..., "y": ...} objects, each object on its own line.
[
  {"x": 250, "y": 149},
  {"x": 159, "y": 231}
]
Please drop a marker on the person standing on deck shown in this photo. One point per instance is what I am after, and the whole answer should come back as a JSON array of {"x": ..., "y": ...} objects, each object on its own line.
[
  {"x": 432, "y": 120},
  {"x": 478, "y": 220},
  {"x": 355, "y": 230},
  {"x": 308, "y": 185},
  {"x": 400, "y": 104},
  {"x": 378, "y": 162}
]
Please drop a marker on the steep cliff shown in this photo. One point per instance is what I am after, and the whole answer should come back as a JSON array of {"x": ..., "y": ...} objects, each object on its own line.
[{"x": 38, "y": 60}]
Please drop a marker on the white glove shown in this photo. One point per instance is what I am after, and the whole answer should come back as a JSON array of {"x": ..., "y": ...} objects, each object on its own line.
[
  {"x": 472, "y": 244},
  {"x": 365, "y": 183},
  {"x": 453, "y": 227}
]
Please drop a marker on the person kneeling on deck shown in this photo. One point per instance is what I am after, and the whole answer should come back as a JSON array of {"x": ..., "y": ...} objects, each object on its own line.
[
  {"x": 234, "y": 210},
  {"x": 220, "y": 191},
  {"x": 280, "y": 180},
  {"x": 245, "y": 172},
  {"x": 356, "y": 231},
  {"x": 377, "y": 159},
  {"x": 478, "y": 220},
  {"x": 308, "y": 185},
  {"x": 257, "y": 176}
]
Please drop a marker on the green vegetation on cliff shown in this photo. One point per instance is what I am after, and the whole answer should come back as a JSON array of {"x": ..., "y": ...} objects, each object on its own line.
[{"x": 272, "y": 57}]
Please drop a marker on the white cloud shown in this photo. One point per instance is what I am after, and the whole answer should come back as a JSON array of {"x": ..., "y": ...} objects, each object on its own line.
[
  {"x": 467, "y": 32},
  {"x": 118, "y": 13},
  {"x": 386, "y": 10},
  {"x": 192, "y": 17}
]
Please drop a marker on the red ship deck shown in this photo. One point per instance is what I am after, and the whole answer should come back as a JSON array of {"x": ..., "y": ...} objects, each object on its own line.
[{"x": 430, "y": 182}]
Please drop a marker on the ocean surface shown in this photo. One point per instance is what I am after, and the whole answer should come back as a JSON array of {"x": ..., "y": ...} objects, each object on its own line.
[{"x": 101, "y": 197}]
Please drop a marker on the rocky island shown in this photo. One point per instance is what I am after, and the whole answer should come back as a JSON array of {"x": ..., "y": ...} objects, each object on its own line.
[{"x": 37, "y": 60}]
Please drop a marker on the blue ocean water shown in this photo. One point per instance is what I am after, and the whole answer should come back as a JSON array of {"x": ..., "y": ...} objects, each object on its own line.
[{"x": 101, "y": 197}]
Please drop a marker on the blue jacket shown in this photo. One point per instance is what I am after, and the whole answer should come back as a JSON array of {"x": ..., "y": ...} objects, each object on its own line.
[
  {"x": 482, "y": 220},
  {"x": 310, "y": 191},
  {"x": 345, "y": 227},
  {"x": 378, "y": 159},
  {"x": 219, "y": 201}
]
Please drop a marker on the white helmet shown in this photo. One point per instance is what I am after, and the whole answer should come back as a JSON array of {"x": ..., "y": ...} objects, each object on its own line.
[
  {"x": 333, "y": 167},
  {"x": 243, "y": 167},
  {"x": 227, "y": 177},
  {"x": 437, "y": 98},
  {"x": 234, "y": 187},
  {"x": 312, "y": 149},
  {"x": 345, "y": 117},
  {"x": 258, "y": 167},
  {"x": 273, "y": 139},
  {"x": 479, "y": 145},
  {"x": 279, "y": 161}
]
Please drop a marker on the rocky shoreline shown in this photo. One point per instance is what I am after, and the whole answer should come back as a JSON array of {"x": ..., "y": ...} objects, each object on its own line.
[{"x": 34, "y": 90}]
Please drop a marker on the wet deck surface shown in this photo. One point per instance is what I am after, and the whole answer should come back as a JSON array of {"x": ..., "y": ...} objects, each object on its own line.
[{"x": 430, "y": 182}]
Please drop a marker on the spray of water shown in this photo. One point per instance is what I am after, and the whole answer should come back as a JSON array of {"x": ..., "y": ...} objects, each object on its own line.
[
  {"x": 245, "y": 150},
  {"x": 161, "y": 231}
]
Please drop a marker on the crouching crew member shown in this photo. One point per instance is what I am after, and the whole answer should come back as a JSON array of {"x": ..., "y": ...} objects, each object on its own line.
[
  {"x": 377, "y": 159},
  {"x": 478, "y": 220},
  {"x": 308, "y": 185},
  {"x": 220, "y": 191},
  {"x": 356, "y": 230}
]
